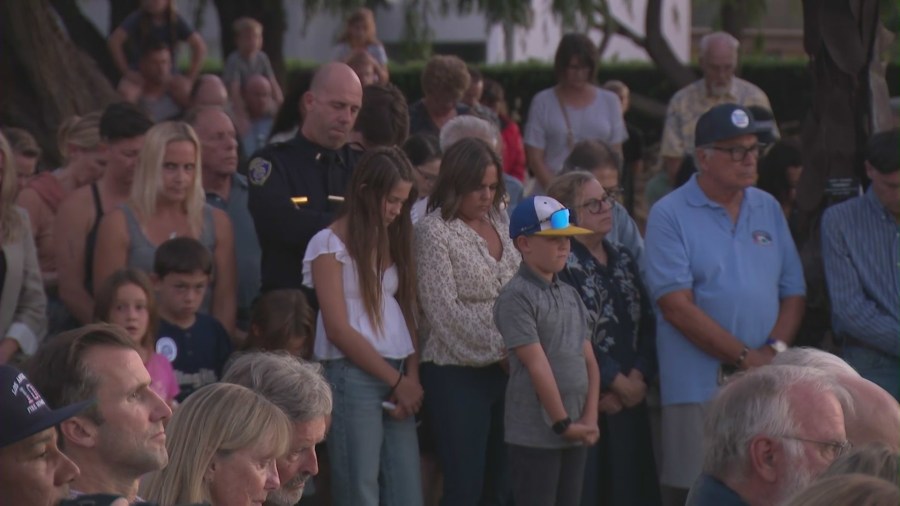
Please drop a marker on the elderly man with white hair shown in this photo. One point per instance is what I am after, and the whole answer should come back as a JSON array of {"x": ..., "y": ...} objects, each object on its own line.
[
  {"x": 768, "y": 433},
  {"x": 719, "y": 85},
  {"x": 300, "y": 390},
  {"x": 875, "y": 416}
]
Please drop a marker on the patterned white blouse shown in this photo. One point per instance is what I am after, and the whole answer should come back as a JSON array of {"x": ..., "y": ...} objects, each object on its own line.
[{"x": 458, "y": 281}]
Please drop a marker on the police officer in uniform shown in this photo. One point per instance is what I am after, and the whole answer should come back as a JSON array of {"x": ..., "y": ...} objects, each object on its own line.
[{"x": 297, "y": 187}]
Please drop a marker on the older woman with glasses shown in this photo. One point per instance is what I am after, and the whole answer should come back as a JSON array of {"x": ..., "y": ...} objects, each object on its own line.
[{"x": 620, "y": 469}]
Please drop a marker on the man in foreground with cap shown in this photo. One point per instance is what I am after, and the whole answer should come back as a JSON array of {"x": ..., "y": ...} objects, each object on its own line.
[
  {"x": 32, "y": 469},
  {"x": 554, "y": 382},
  {"x": 722, "y": 267}
]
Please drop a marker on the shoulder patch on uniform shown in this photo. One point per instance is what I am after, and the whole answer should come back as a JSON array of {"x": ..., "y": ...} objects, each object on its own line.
[{"x": 259, "y": 170}]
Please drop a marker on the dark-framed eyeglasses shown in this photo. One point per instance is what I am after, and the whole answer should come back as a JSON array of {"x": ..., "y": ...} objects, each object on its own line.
[
  {"x": 739, "y": 153},
  {"x": 834, "y": 448},
  {"x": 595, "y": 206},
  {"x": 429, "y": 178}
]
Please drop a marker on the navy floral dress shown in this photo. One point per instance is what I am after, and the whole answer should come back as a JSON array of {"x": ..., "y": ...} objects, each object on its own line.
[{"x": 620, "y": 469}]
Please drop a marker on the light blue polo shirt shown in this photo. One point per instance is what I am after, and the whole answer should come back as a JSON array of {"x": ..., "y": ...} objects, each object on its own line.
[{"x": 738, "y": 272}]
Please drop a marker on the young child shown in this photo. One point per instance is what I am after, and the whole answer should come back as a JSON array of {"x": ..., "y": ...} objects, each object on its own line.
[
  {"x": 362, "y": 269},
  {"x": 155, "y": 22},
  {"x": 281, "y": 320},
  {"x": 248, "y": 60},
  {"x": 196, "y": 344},
  {"x": 554, "y": 381},
  {"x": 126, "y": 299}
]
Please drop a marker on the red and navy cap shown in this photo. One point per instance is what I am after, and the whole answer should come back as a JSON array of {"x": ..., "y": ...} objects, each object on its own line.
[{"x": 24, "y": 412}]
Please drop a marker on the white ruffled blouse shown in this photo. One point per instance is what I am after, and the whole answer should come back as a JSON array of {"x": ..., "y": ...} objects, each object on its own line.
[{"x": 393, "y": 339}]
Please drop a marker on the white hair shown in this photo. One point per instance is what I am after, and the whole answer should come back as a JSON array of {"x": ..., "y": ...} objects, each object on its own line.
[
  {"x": 828, "y": 363},
  {"x": 467, "y": 125},
  {"x": 757, "y": 403},
  {"x": 718, "y": 37},
  {"x": 289, "y": 382}
]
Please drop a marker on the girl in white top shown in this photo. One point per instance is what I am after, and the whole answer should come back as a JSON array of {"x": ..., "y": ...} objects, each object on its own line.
[{"x": 363, "y": 272}]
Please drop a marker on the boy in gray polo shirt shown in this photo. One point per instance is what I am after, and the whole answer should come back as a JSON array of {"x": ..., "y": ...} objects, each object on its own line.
[{"x": 554, "y": 383}]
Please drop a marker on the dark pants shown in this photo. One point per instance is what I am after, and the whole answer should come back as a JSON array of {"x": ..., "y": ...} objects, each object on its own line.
[
  {"x": 620, "y": 469},
  {"x": 543, "y": 477},
  {"x": 465, "y": 411}
]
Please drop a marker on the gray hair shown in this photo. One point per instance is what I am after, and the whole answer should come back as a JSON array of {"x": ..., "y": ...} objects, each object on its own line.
[
  {"x": 828, "y": 363},
  {"x": 756, "y": 403},
  {"x": 467, "y": 125},
  {"x": 718, "y": 37},
  {"x": 289, "y": 382}
]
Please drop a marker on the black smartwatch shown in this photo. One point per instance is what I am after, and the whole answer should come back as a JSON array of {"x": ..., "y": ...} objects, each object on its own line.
[{"x": 562, "y": 425}]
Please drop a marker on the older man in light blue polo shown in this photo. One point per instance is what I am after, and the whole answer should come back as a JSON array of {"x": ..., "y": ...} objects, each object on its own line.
[{"x": 723, "y": 269}]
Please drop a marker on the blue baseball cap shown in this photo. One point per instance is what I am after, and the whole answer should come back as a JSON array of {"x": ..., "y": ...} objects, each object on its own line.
[
  {"x": 540, "y": 215},
  {"x": 24, "y": 411},
  {"x": 727, "y": 121}
]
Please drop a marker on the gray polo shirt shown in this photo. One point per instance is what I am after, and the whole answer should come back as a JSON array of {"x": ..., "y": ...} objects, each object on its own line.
[
  {"x": 246, "y": 245},
  {"x": 531, "y": 310}
]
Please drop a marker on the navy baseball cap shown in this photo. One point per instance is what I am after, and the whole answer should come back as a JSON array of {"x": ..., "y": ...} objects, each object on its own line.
[
  {"x": 542, "y": 216},
  {"x": 727, "y": 121},
  {"x": 24, "y": 411}
]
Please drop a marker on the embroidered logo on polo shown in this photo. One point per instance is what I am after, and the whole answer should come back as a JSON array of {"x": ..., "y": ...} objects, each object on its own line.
[
  {"x": 259, "y": 170},
  {"x": 740, "y": 119},
  {"x": 166, "y": 347},
  {"x": 762, "y": 238}
]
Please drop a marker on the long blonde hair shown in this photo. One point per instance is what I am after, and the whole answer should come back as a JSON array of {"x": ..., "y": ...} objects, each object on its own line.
[
  {"x": 10, "y": 220},
  {"x": 215, "y": 420},
  {"x": 148, "y": 174}
]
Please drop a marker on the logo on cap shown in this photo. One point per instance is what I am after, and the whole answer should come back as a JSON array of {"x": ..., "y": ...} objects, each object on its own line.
[
  {"x": 23, "y": 386},
  {"x": 740, "y": 119}
]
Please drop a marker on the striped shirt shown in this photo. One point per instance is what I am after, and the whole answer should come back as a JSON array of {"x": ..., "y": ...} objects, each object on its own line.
[{"x": 861, "y": 252}]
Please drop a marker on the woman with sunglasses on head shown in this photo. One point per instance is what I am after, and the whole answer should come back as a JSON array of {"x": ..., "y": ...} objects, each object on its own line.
[{"x": 620, "y": 469}]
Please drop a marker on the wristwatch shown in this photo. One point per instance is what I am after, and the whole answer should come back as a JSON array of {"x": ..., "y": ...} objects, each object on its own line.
[
  {"x": 777, "y": 345},
  {"x": 562, "y": 425}
]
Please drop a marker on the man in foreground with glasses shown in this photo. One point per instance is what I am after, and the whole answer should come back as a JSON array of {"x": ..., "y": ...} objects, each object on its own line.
[
  {"x": 768, "y": 433},
  {"x": 720, "y": 263}
]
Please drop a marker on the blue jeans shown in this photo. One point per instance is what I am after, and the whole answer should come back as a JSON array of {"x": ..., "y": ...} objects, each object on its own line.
[
  {"x": 465, "y": 408},
  {"x": 374, "y": 458},
  {"x": 877, "y": 367}
]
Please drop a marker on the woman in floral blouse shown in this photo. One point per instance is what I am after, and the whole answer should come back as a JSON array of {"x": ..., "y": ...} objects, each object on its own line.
[
  {"x": 620, "y": 469},
  {"x": 463, "y": 256}
]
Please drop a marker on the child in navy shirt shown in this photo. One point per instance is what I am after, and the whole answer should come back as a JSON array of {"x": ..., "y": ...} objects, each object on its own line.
[{"x": 196, "y": 344}]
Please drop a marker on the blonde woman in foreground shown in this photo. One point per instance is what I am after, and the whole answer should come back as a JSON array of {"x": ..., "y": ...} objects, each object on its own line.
[{"x": 222, "y": 444}]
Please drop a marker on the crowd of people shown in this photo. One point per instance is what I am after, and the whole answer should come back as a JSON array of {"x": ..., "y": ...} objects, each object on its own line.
[{"x": 452, "y": 310}]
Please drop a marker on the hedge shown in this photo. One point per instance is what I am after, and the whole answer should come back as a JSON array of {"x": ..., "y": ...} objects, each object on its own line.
[{"x": 787, "y": 83}]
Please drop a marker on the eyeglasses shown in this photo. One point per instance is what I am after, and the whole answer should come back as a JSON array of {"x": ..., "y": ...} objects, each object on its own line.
[
  {"x": 739, "y": 153},
  {"x": 558, "y": 220},
  {"x": 834, "y": 448},
  {"x": 429, "y": 178},
  {"x": 595, "y": 206}
]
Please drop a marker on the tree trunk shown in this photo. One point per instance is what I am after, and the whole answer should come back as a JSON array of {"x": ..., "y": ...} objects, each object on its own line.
[
  {"x": 83, "y": 33},
  {"x": 659, "y": 50},
  {"x": 271, "y": 13},
  {"x": 45, "y": 78},
  {"x": 839, "y": 38},
  {"x": 733, "y": 17}
]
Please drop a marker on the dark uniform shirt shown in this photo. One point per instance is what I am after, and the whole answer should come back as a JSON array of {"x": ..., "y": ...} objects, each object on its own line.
[{"x": 296, "y": 169}]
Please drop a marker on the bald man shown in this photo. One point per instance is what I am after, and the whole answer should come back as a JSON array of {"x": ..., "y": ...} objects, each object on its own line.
[
  {"x": 875, "y": 416},
  {"x": 296, "y": 187},
  {"x": 254, "y": 119}
]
